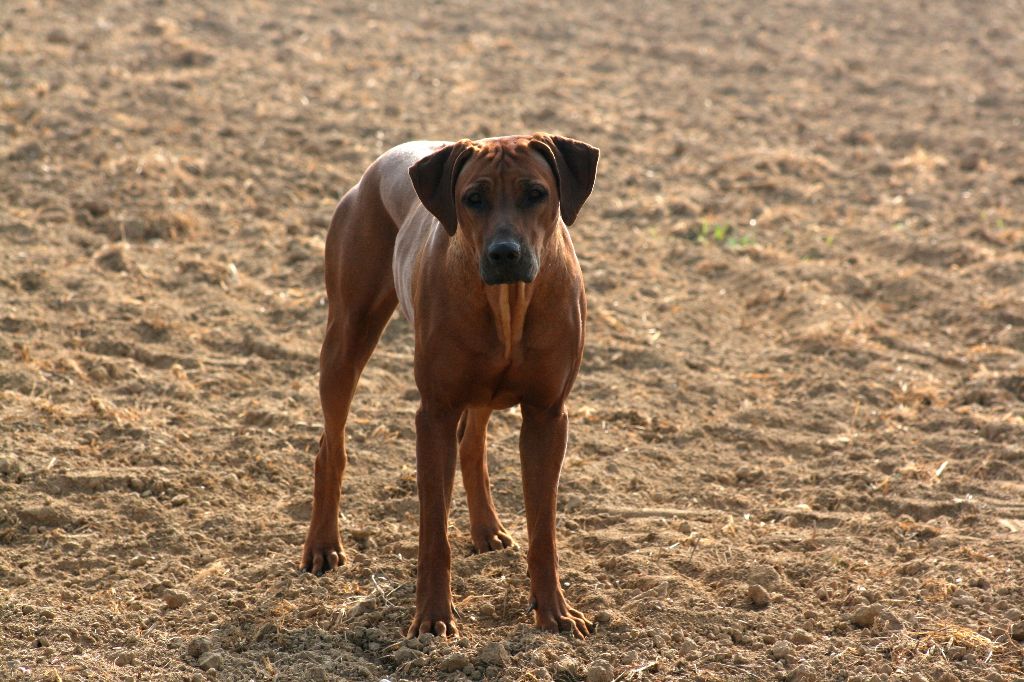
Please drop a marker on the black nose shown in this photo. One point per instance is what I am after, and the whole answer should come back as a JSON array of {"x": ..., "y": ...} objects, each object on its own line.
[{"x": 503, "y": 252}]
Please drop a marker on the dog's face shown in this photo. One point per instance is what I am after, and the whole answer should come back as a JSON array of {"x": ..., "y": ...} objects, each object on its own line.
[
  {"x": 506, "y": 200},
  {"x": 505, "y": 197}
]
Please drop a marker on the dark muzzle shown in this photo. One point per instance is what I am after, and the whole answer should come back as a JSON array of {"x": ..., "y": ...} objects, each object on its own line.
[{"x": 506, "y": 260}]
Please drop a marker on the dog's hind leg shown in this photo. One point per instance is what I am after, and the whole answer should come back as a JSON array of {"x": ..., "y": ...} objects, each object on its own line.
[{"x": 361, "y": 298}]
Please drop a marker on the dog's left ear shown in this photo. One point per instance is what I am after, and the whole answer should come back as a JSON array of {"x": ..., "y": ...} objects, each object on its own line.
[
  {"x": 434, "y": 179},
  {"x": 575, "y": 167}
]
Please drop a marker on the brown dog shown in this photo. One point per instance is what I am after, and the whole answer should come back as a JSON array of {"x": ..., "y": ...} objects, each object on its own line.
[{"x": 470, "y": 240}]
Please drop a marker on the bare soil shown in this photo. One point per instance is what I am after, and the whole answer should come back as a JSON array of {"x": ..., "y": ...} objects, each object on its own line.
[{"x": 797, "y": 446}]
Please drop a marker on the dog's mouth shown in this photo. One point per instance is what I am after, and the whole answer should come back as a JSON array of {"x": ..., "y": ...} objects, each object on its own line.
[
  {"x": 508, "y": 266},
  {"x": 507, "y": 278}
]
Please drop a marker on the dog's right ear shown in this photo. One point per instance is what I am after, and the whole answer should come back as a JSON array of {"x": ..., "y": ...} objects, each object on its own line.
[{"x": 434, "y": 179}]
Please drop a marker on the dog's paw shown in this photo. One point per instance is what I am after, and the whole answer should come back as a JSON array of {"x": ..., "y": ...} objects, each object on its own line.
[
  {"x": 490, "y": 539},
  {"x": 320, "y": 556},
  {"x": 439, "y": 622},
  {"x": 555, "y": 615}
]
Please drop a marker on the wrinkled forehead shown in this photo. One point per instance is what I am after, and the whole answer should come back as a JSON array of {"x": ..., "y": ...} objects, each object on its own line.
[{"x": 506, "y": 159}]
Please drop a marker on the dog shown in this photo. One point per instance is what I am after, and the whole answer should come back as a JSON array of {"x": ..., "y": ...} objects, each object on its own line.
[{"x": 470, "y": 240}]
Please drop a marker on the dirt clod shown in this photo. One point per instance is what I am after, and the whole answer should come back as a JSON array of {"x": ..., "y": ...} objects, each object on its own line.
[
  {"x": 781, "y": 650},
  {"x": 493, "y": 653},
  {"x": 9, "y": 465},
  {"x": 175, "y": 599},
  {"x": 455, "y": 661},
  {"x": 114, "y": 257},
  {"x": 801, "y": 637},
  {"x": 802, "y": 673},
  {"x": 211, "y": 660},
  {"x": 199, "y": 646},
  {"x": 600, "y": 671},
  {"x": 758, "y": 596},
  {"x": 404, "y": 655},
  {"x": 43, "y": 515},
  {"x": 764, "y": 576},
  {"x": 865, "y": 616}
]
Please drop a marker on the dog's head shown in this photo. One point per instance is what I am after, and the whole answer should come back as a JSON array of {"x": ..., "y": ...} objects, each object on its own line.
[{"x": 506, "y": 197}]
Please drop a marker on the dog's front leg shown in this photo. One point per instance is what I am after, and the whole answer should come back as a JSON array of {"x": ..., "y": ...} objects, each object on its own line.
[
  {"x": 435, "y": 474},
  {"x": 541, "y": 451}
]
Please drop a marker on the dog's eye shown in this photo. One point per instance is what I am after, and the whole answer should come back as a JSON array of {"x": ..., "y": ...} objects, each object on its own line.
[
  {"x": 536, "y": 194},
  {"x": 474, "y": 199}
]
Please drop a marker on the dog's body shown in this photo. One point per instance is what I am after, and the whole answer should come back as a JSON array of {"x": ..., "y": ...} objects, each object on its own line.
[{"x": 470, "y": 240}]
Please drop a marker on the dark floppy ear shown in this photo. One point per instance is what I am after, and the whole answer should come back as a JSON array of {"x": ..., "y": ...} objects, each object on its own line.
[
  {"x": 434, "y": 179},
  {"x": 575, "y": 167}
]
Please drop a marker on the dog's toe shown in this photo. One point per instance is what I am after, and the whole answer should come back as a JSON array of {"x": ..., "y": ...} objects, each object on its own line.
[
  {"x": 491, "y": 540},
  {"x": 318, "y": 558}
]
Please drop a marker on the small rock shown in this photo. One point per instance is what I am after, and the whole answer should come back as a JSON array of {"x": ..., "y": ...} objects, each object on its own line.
[
  {"x": 801, "y": 637},
  {"x": 58, "y": 36},
  {"x": 30, "y": 151},
  {"x": 266, "y": 630},
  {"x": 600, "y": 671},
  {"x": 124, "y": 658},
  {"x": 687, "y": 646},
  {"x": 801, "y": 673},
  {"x": 765, "y": 576},
  {"x": 566, "y": 668},
  {"x": 889, "y": 620},
  {"x": 404, "y": 655},
  {"x": 199, "y": 646},
  {"x": 175, "y": 599},
  {"x": 455, "y": 661},
  {"x": 758, "y": 596},
  {"x": 1017, "y": 631},
  {"x": 362, "y": 606},
  {"x": 96, "y": 207},
  {"x": 865, "y": 615},
  {"x": 9, "y": 465},
  {"x": 179, "y": 500},
  {"x": 114, "y": 257},
  {"x": 781, "y": 650},
  {"x": 747, "y": 474},
  {"x": 42, "y": 515},
  {"x": 493, "y": 653},
  {"x": 604, "y": 617},
  {"x": 426, "y": 638},
  {"x": 970, "y": 161},
  {"x": 211, "y": 661},
  {"x": 137, "y": 561}
]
